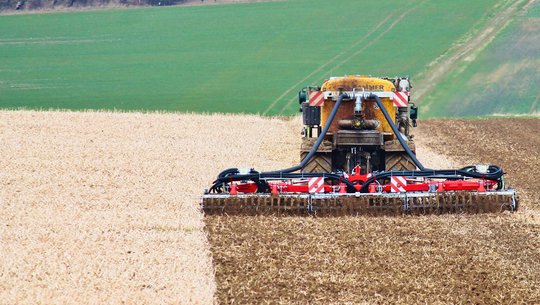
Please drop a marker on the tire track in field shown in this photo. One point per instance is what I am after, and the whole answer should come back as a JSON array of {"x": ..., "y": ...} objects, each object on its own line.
[
  {"x": 533, "y": 106},
  {"x": 274, "y": 102},
  {"x": 440, "y": 68},
  {"x": 370, "y": 43}
]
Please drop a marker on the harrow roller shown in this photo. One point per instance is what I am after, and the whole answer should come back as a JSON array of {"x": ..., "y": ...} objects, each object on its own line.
[{"x": 368, "y": 204}]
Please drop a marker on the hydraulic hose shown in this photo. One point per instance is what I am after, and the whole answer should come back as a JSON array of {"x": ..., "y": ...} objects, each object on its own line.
[
  {"x": 232, "y": 174},
  {"x": 257, "y": 177},
  {"x": 319, "y": 139},
  {"x": 234, "y": 171},
  {"x": 396, "y": 132},
  {"x": 494, "y": 173}
]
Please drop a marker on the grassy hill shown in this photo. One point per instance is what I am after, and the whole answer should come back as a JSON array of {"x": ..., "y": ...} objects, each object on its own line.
[
  {"x": 502, "y": 79},
  {"x": 227, "y": 58}
]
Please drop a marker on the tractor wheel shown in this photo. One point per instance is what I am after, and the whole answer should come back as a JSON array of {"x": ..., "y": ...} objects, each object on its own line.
[
  {"x": 320, "y": 163},
  {"x": 398, "y": 161}
]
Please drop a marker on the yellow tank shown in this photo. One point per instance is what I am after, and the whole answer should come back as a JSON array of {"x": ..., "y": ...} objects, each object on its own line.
[{"x": 369, "y": 108}]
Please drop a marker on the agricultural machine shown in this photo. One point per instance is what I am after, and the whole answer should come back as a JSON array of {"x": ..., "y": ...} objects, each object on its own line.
[{"x": 358, "y": 158}]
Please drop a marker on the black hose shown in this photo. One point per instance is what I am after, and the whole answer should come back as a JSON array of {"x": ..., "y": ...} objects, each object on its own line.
[
  {"x": 228, "y": 172},
  {"x": 232, "y": 174},
  {"x": 320, "y": 138},
  {"x": 280, "y": 176},
  {"x": 494, "y": 173},
  {"x": 396, "y": 132}
]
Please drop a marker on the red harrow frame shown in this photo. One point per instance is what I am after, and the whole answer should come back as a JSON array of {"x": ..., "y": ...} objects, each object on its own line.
[{"x": 402, "y": 194}]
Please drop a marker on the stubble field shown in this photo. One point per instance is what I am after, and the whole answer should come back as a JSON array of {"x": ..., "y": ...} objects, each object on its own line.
[{"x": 103, "y": 208}]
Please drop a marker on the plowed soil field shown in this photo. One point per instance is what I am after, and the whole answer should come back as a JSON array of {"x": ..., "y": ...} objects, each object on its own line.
[
  {"x": 513, "y": 144},
  {"x": 482, "y": 259}
]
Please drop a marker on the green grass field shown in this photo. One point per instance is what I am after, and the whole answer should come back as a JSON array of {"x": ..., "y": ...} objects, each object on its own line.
[
  {"x": 219, "y": 58},
  {"x": 502, "y": 80}
]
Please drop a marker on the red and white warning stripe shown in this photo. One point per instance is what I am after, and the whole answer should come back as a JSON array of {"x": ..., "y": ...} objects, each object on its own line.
[
  {"x": 401, "y": 99},
  {"x": 397, "y": 184},
  {"x": 316, "y": 98},
  {"x": 316, "y": 185}
]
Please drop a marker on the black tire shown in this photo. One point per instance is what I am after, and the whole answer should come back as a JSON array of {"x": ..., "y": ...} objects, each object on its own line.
[
  {"x": 320, "y": 163},
  {"x": 398, "y": 161}
]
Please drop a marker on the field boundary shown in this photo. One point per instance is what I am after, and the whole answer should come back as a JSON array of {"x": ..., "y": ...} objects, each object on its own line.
[{"x": 114, "y": 6}]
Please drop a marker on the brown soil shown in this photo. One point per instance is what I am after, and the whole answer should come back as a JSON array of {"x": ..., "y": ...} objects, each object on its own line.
[
  {"x": 408, "y": 260},
  {"x": 513, "y": 144},
  {"x": 483, "y": 259}
]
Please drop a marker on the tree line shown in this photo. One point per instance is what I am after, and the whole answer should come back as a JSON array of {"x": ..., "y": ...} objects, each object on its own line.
[{"x": 6, "y": 5}]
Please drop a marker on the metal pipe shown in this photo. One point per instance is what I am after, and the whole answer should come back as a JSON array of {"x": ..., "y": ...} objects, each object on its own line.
[
  {"x": 358, "y": 104},
  {"x": 359, "y": 124}
]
